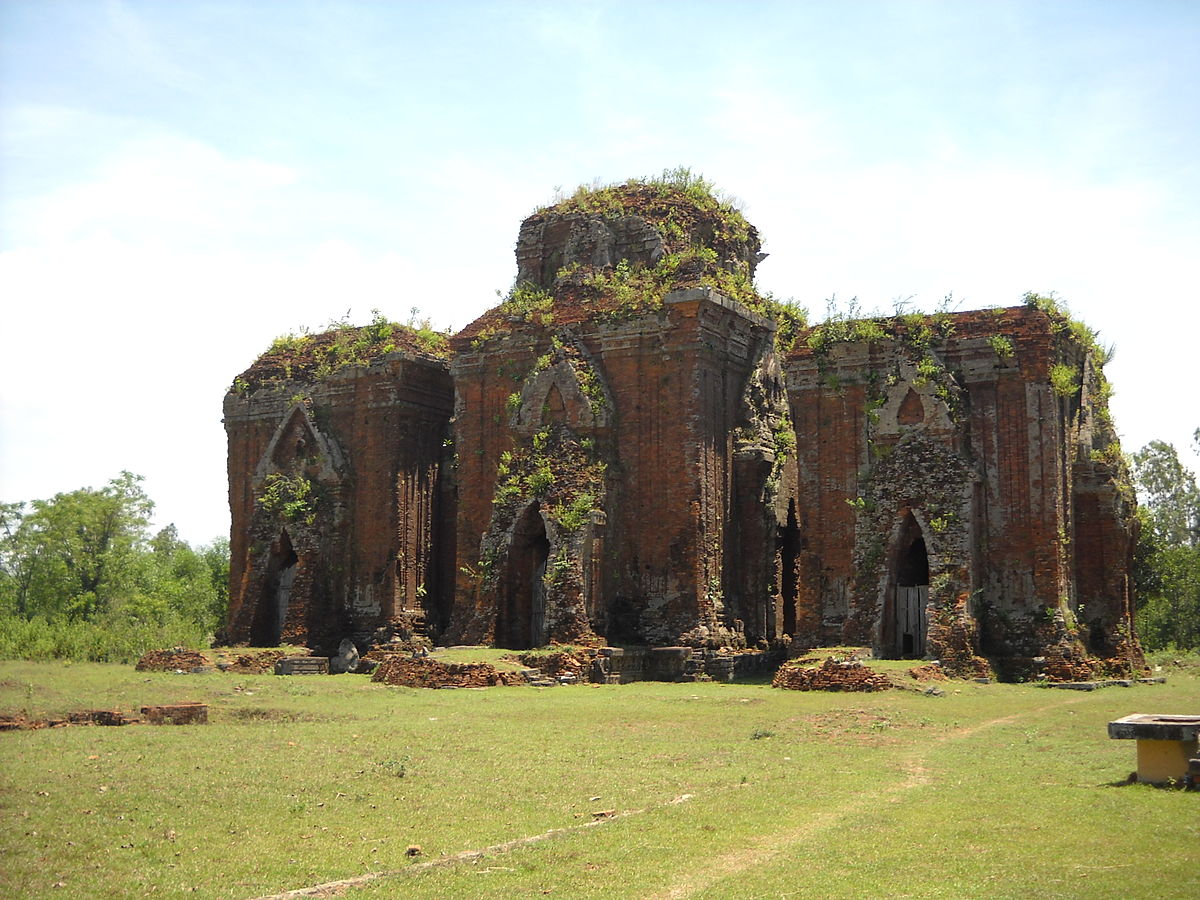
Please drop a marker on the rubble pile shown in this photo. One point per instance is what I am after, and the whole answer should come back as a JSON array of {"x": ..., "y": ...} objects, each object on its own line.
[
  {"x": 831, "y": 675},
  {"x": 928, "y": 672},
  {"x": 559, "y": 662},
  {"x": 419, "y": 672},
  {"x": 171, "y": 660},
  {"x": 256, "y": 663}
]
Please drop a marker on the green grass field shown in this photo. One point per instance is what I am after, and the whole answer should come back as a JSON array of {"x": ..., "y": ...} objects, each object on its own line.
[{"x": 651, "y": 790}]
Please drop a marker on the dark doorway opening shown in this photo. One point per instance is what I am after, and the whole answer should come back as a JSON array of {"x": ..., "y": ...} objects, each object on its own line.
[
  {"x": 271, "y": 614},
  {"x": 789, "y": 556},
  {"x": 522, "y": 614},
  {"x": 912, "y": 595}
]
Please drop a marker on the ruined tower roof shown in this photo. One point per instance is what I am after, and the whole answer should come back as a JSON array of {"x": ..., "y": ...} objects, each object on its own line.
[
  {"x": 615, "y": 251},
  {"x": 311, "y": 357}
]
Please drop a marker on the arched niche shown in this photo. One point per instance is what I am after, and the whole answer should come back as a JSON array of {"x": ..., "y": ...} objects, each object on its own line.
[
  {"x": 299, "y": 446},
  {"x": 913, "y": 402}
]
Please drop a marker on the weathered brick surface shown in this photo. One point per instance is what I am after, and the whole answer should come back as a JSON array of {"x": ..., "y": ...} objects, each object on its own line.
[
  {"x": 676, "y": 534},
  {"x": 369, "y": 439},
  {"x": 407, "y": 672},
  {"x": 595, "y": 465},
  {"x": 1002, "y": 478},
  {"x": 830, "y": 675}
]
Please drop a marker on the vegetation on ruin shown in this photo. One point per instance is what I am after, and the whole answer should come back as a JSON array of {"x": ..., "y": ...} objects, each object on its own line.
[
  {"x": 712, "y": 790},
  {"x": 706, "y": 243},
  {"x": 301, "y": 356},
  {"x": 83, "y": 577},
  {"x": 1067, "y": 375},
  {"x": 555, "y": 466},
  {"x": 675, "y": 202},
  {"x": 293, "y": 497}
]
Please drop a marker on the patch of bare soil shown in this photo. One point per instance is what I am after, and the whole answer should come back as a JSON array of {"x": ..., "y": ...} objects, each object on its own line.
[
  {"x": 830, "y": 675},
  {"x": 430, "y": 673},
  {"x": 170, "y": 660}
]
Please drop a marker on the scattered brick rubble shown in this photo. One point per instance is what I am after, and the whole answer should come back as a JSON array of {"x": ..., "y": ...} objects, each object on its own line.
[
  {"x": 830, "y": 675},
  {"x": 256, "y": 663},
  {"x": 408, "y": 672},
  {"x": 928, "y": 672},
  {"x": 171, "y": 660},
  {"x": 181, "y": 660},
  {"x": 559, "y": 663},
  {"x": 162, "y": 714}
]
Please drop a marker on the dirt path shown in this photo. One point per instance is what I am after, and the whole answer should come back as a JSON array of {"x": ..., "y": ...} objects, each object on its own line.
[
  {"x": 335, "y": 888},
  {"x": 764, "y": 849},
  {"x": 768, "y": 847}
]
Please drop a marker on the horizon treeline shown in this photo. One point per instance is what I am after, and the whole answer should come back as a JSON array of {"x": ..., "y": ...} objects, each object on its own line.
[{"x": 83, "y": 577}]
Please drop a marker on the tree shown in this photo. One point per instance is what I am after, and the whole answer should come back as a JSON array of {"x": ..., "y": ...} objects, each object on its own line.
[
  {"x": 1170, "y": 492},
  {"x": 87, "y": 554},
  {"x": 1167, "y": 560},
  {"x": 75, "y": 553}
]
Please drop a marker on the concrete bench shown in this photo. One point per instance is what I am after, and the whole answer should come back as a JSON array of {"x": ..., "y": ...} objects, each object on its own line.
[{"x": 1165, "y": 744}]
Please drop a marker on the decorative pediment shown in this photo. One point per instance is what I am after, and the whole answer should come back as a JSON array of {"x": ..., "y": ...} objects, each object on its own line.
[
  {"x": 299, "y": 447},
  {"x": 913, "y": 401},
  {"x": 569, "y": 391}
]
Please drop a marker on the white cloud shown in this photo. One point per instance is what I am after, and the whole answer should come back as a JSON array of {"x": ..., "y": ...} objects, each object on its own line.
[{"x": 158, "y": 188}]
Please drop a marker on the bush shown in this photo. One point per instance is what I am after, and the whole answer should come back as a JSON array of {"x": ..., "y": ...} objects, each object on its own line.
[{"x": 116, "y": 639}]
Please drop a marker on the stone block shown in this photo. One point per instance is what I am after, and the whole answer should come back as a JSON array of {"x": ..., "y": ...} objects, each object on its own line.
[{"x": 302, "y": 665}]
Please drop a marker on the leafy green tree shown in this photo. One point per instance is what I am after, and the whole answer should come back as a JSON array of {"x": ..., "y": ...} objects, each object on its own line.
[
  {"x": 1170, "y": 492},
  {"x": 74, "y": 554},
  {"x": 184, "y": 583},
  {"x": 87, "y": 555},
  {"x": 1167, "y": 560}
]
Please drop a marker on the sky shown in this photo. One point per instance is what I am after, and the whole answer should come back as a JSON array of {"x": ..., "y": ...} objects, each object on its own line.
[{"x": 181, "y": 182}]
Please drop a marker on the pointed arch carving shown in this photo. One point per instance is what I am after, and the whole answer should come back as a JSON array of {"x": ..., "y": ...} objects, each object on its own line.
[
  {"x": 557, "y": 393},
  {"x": 913, "y": 402},
  {"x": 299, "y": 446}
]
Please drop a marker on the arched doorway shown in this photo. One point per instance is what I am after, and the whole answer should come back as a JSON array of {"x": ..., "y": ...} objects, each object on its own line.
[
  {"x": 521, "y": 617},
  {"x": 272, "y": 609},
  {"x": 905, "y": 623}
]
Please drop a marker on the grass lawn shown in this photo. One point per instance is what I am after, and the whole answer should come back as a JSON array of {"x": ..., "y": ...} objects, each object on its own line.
[{"x": 699, "y": 790}]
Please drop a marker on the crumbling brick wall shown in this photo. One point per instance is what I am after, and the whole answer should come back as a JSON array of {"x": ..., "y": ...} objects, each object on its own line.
[
  {"x": 949, "y": 430},
  {"x": 622, "y": 451},
  {"x": 659, "y": 404},
  {"x": 335, "y": 488},
  {"x": 656, "y": 455}
]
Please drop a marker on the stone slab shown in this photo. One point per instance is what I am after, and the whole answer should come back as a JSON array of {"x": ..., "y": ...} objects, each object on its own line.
[
  {"x": 302, "y": 665},
  {"x": 1144, "y": 726}
]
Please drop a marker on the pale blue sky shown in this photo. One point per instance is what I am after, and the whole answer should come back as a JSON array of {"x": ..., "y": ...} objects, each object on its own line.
[{"x": 182, "y": 181}]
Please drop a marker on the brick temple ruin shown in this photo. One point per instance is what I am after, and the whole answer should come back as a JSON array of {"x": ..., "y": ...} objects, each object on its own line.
[{"x": 635, "y": 448}]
